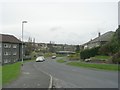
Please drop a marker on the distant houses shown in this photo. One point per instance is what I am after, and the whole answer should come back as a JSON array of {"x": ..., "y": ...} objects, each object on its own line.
[
  {"x": 98, "y": 41},
  {"x": 11, "y": 49},
  {"x": 51, "y": 47}
]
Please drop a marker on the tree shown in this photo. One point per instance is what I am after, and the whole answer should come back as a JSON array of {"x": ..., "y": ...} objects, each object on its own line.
[{"x": 29, "y": 46}]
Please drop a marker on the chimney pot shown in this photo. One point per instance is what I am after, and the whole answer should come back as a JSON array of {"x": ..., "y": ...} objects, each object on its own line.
[{"x": 99, "y": 34}]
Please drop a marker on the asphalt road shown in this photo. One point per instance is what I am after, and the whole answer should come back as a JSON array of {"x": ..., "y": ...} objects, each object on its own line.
[
  {"x": 65, "y": 76},
  {"x": 30, "y": 78}
]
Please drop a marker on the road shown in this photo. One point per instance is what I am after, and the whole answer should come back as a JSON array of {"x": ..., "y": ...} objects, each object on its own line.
[
  {"x": 65, "y": 76},
  {"x": 36, "y": 75}
]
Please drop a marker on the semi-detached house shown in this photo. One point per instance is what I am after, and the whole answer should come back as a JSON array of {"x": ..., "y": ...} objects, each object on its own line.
[
  {"x": 98, "y": 41},
  {"x": 11, "y": 49}
]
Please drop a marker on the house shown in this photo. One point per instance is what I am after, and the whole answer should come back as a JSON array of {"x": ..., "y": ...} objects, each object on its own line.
[
  {"x": 52, "y": 47},
  {"x": 11, "y": 49},
  {"x": 65, "y": 52},
  {"x": 69, "y": 48},
  {"x": 98, "y": 41}
]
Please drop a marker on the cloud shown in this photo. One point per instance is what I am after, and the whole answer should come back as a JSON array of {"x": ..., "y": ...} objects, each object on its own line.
[{"x": 56, "y": 28}]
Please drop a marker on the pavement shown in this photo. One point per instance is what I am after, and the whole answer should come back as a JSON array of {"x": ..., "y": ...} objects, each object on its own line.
[{"x": 30, "y": 78}]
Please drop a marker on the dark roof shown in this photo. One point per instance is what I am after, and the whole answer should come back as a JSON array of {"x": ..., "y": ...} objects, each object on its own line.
[
  {"x": 105, "y": 37},
  {"x": 9, "y": 38},
  {"x": 65, "y": 52}
]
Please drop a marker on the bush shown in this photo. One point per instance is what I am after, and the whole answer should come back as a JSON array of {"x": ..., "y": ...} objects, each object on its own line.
[
  {"x": 48, "y": 55},
  {"x": 116, "y": 58},
  {"x": 74, "y": 56},
  {"x": 89, "y": 53}
]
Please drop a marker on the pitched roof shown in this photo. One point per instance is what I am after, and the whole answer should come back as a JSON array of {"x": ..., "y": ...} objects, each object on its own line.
[
  {"x": 105, "y": 37},
  {"x": 9, "y": 38}
]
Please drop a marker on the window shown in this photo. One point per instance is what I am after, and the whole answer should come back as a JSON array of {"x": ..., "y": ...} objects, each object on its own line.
[
  {"x": 5, "y": 45},
  {"x": 15, "y": 53},
  {"x": 9, "y": 53},
  {"x": 5, "y": 60},
  {"x": 15, "y": 60},
  {"x": 9, "y": 60},
  {"x": 9, "y": 46},
  {"x": 6, "y": 53},
  {"x": 14, "y": 46}
]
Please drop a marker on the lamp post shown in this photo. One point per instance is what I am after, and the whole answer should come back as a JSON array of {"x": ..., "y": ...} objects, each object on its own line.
[{"x": 22, "y": 38}]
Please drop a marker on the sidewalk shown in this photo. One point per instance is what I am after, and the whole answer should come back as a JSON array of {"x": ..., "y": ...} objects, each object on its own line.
[{"x": 30, "y": 78}]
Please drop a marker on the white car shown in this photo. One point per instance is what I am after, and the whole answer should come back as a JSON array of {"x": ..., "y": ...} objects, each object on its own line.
[
  {"x": 40, "y": 59},
  {"x": 53, "y": 57}
]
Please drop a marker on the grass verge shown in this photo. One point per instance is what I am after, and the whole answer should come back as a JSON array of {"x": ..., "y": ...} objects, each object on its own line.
[
  {"x": 60, "y": 61},
  {"x": 0, "y": 76},
  {"x": 97, "y": 66},
  {"x": 10, "y": 72},
  {"x": 102, "y": 57}
]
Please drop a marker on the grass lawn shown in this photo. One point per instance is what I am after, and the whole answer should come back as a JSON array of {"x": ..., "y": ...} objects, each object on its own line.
[
  {"x": 10, "y": 72},
  {"x": 97, "y": 66},
  {"x": 61, "y": 61},
  {"x": 102, "y": 57},
  {"x": 0, "y": 76}
]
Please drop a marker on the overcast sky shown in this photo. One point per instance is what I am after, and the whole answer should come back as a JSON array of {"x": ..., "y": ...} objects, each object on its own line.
[{"x": 66, "y": 22}]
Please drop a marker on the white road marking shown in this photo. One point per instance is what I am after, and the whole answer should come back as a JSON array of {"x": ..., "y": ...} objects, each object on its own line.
[{"x": 51, "y": 79}]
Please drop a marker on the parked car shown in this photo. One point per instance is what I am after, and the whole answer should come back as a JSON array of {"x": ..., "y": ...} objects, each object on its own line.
[
  {"x": 40, "y": 59},
  {"x": 53, "y": 57},
  {"x": 87, "y": 60}
]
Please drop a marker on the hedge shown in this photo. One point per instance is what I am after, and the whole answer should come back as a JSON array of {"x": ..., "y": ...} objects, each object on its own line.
[{"x": 87, "y": 53}]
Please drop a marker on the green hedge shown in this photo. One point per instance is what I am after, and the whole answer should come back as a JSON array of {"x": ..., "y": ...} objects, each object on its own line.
[{"x": 87, "y": 53}]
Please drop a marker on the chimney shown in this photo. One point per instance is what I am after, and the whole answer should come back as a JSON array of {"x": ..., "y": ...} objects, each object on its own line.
[{"x": 99, "y": 34}]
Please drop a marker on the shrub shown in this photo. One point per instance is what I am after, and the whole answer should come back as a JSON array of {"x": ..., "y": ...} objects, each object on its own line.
[
  {"x": 74, "y": 56},
  {"x": 116, "y": 58},
  {"x": 89, "y": 53}
]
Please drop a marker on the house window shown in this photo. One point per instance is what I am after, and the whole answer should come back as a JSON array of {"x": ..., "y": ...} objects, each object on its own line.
[
  {"x": 14, "y": 60},
  {"x": 6, "y": 53},
  {"x": 9, "y": 53},
  {"x": 5, "y": 45},
  {"x": 9, "y": 46},
  {"x": 14, "y": 46},
  {"x": 15, "y": 53},
  {"x": 5, "y": 60}
]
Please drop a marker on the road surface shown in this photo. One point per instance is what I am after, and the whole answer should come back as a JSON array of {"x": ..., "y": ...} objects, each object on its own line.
[
  {"x": 36, "y": 75},
  {"x": 65, "y": 76}
]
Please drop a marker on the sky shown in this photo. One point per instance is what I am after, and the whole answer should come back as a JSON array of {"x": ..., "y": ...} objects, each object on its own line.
[{"x": 60, "y": 21}]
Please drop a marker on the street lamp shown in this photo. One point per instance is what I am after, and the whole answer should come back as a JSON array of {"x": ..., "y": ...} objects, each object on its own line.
[{"x": 22, "y": 38}]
